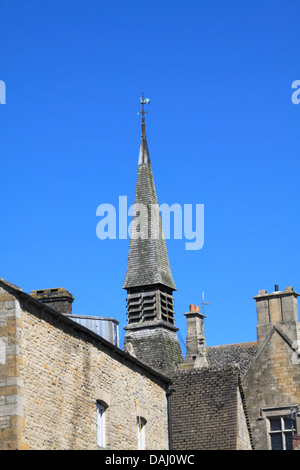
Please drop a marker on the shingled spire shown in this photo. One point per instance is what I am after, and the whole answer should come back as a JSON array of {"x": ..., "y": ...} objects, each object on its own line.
[
  {"x": 150, "y": 331},
  {"x": 148, "y": 261}
]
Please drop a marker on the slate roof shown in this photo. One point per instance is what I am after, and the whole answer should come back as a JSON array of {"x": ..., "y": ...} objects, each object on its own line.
[
  {"x": 204, "y": 409},
  {"x": 242, "y": 354},
  {"x": 148, "y": 261}
]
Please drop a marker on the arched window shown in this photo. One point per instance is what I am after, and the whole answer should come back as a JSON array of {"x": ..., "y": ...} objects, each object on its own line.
[
  {"x": 101, "y": 408},
  {"x": 141, "y": 433}
]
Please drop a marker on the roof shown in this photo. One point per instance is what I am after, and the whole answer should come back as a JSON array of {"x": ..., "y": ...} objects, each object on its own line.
[
  {"x": 239, "y": 353},
  {"x": 148, "y": 261},
  {"x": 23, "y": 296},
  {"x": 9, "y": 284},
  {"x": 204, "y": 408}
]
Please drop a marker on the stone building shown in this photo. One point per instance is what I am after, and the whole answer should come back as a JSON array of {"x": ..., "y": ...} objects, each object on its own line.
[
  {"x": 62, "y": 386},
  {"x": 151, "y": 334},
  {"x": 269, "y": 372},
  {"x": 272, "y": 381},
  {"x": 253, "y": 388},
  {"x": 208, "y": 407}
]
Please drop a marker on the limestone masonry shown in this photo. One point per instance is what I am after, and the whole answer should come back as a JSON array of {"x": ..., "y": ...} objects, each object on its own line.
[{"x": 53, "y": 373}]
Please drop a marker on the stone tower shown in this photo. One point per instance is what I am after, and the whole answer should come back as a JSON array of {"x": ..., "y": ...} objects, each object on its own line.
[{"x": 151, "y": 334}]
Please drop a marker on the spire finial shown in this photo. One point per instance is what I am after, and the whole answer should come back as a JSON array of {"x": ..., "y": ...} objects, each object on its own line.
[{"x": 143, "y": 112}]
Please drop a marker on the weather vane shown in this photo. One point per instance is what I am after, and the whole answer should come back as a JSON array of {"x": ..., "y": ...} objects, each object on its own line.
[
  {"x": 204, "y": 303},
  {"x": 143, "y": 102}
]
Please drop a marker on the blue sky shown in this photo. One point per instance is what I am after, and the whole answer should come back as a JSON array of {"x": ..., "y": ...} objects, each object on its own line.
[{"x": 222, "y": 131}]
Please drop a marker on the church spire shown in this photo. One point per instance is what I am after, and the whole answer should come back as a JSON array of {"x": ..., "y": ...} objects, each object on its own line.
[
  {"x": 148, "y": 261},
  {"x": 150, "y": 331}
]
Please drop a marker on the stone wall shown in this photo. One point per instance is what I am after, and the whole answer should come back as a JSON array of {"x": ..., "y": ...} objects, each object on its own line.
[
  {"x": 243, "y": 437},
  {"x": 271, "y": 386},
  {"x": 155, "y": 345},
  {"x": 53, "y": 372},
  {"x": 11, "y": 416}
]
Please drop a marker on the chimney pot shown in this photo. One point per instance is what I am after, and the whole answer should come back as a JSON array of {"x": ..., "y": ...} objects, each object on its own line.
[
  {"x": 262, "y": 292},
  {"x": 289, "y": 289}
]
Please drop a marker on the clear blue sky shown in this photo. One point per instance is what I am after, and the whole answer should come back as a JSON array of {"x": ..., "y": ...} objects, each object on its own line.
[{"x": 222, "y": 131}]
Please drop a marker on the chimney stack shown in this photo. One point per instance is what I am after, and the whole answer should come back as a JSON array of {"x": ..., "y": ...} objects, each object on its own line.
[
  {"x": 276, "y": 308},
  {"x": 195, "y": 340},
  {"x": 59, "y": 299}
]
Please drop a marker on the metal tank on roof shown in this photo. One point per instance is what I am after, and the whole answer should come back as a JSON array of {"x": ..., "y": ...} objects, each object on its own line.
[{"x": 107, "y": 328}]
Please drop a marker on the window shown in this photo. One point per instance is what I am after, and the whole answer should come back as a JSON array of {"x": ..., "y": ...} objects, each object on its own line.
[
  {"x": 101, "y": 439},
  {"x": 281, "y": 430},
  {"x": 141, "y": 442}
]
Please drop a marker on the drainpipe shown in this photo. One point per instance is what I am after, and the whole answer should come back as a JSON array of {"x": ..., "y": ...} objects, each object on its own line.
[{"x": 169, "y": 392}]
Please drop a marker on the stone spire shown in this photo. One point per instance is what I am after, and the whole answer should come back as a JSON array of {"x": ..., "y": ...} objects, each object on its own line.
[
  {"x": 148, "y": 261},
  {"x": 149, "y": 282}
]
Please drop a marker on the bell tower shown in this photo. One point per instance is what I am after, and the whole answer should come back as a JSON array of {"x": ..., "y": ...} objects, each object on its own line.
[{"x": 151, "y": 334}]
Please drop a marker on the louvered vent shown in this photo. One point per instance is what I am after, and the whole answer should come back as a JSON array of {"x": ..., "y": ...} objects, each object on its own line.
[{"x": 149, "y": 305}]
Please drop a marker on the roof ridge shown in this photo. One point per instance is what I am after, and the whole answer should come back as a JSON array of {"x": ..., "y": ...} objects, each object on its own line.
[
  {"x": 9, "y": 284},
  {"x": 233, "y": 344}
]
